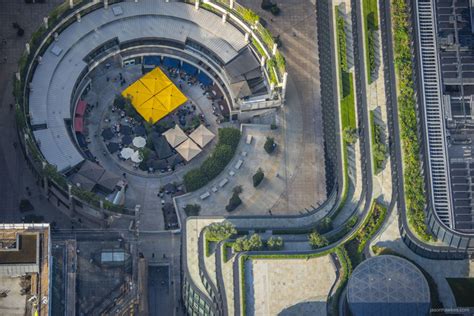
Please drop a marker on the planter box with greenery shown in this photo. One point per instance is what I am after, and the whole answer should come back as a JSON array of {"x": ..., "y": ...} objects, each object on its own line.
[
  {"x": 275, "y": 243},
  {"x": 220, "y": 231},
  {"x": 247, "y": 243},
  {"x": 316, "y": 240},
  {"x": 371, "y": 25},
  {"x": 379, "y": 149},
  {"x": 223, "y": 152},
  {"x": 414, "y": 189}
]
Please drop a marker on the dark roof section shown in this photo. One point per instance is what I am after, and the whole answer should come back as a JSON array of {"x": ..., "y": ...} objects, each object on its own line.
[
  {"x": 26, "y": 251},
  {"x": 91, "y": 170}
]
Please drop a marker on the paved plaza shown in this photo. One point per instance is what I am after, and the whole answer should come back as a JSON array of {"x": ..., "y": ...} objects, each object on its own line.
[
  {"x": 288, "y": 286},
  {"x": 301, "y": 117}
]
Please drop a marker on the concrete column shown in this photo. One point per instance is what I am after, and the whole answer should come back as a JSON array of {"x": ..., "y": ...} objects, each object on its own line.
[
  {"x": 45, "y": 179},
  {"x": 71, "y": 4},
  {"x": 78, "y": 17},
  {"x": 231, "y": 4},
  {"x": 224, "y": 18},
  {"x": 196, "y": 4},
  {"x": 247, "y": 37},
  {"x": 45, "y": 21},
  {"x": 284, "y": 83},
  {"x": 106, "y": 4},
  {"x": 272, "y": 86},
  {"x": 274, "y": 49},
  {"x": 17, "y": 75},
  {"x": 27, "y": 46},
  {"x": 262, "y": 61},
  {"x": 69, "y": 193},
  {"x": 40, "y": 59}
]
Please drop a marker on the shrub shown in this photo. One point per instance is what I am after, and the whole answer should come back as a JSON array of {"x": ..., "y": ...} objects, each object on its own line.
[
  {"x": 237, "y": 189},
  {"x": 350, "y": 135},
  {"x": 266, "y": 5},
  {"x": 273, "y": 126},
  {"x": 275, "y": 243},
  {"x": 26, "y": 206},
  {"x": 258, "y": 177},
  {"x": 220, "y": 231},
  {"x": 234, "y": 202},
  {"x": 247, "y": 244},
  {"x": 192, "y": 209},
  {"x": 275, "y": 10},
  {"x": 325, "y": 225},
  {"x": 269, "y": 145},
  {"x": 316, "y": 240},
  {"x": 194, "y": 179},
  {"x": 223, "y": 152},
  {"x": 414, "y": 192}
]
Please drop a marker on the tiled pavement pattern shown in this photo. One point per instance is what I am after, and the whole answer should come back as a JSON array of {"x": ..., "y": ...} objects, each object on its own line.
[
  {"x": 304, "y": 159},
  {"x": 288, "y": 286}
]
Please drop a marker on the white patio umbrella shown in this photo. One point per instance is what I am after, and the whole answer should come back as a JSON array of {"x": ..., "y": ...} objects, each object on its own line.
[
  {"x": 126, "y": 153},
  {"x": 136, "y": 157},
  {"x": 139, "y": 142}
]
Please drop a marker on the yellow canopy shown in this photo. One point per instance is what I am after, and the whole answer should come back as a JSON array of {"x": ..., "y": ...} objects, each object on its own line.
[{"x": 154, "y": 96}]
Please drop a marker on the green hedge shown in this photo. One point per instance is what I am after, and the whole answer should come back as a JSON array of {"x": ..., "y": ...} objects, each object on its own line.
[
  {"x": 341, "y": 40},
  {"x": 379, "y": 148},
  {"x": 346, "y": 270},
  {"x": 223, "y": 152},
  {"x": 369, "y": 228},
  {"x": 371, "y": 25},
  {"x": 414, "y": 184}
]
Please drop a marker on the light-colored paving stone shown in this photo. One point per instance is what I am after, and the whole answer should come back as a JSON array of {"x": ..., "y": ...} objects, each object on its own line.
[
  {"x": 14, "y": 303},
  {"x": 301, "y": 118},
  {"x": 288, "y": 286}
]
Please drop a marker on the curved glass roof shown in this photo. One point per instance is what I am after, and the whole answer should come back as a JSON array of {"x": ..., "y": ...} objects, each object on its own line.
[{"x": 388, "y": 285}]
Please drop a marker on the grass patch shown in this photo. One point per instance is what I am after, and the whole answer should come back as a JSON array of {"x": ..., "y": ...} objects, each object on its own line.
[
  {"x": 463, "y": 289},
  {"x": 348, "y": 115}
]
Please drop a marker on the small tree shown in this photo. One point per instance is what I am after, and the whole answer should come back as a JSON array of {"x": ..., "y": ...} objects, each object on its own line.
[
  {"x": 350, "y": 135},
  {"x": 266, "y": 5},
  {"x": 220, "y": 231},
  {"x": 192, "y": 209},
  {"x": 324, "y": 225},
  {"x": 258, "y": 177},
  {"x": 275, "y": 243},
  {"x": 237, "y": 189},
  {"x": 269, "y": 145},
  {"x": 234, "y": 202},
  {"x": 275, "y": 10},
  {"x": 316, "y": 240},
  {"x": 248, "y": 244}
]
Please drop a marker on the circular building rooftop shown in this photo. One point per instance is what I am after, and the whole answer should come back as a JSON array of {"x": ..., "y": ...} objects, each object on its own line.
[{"x": 388, "y": 285}]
